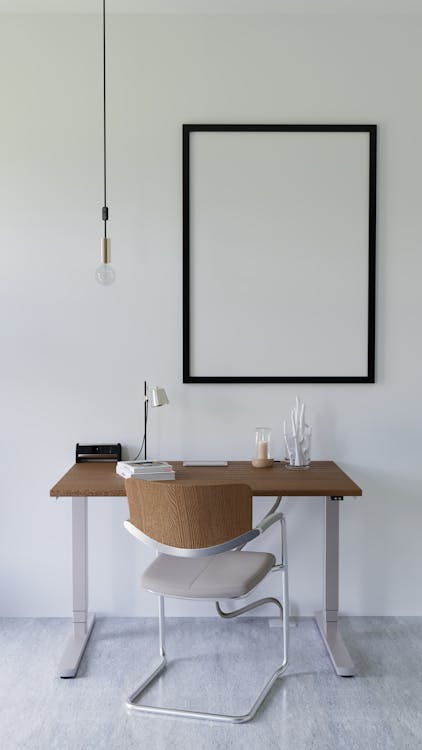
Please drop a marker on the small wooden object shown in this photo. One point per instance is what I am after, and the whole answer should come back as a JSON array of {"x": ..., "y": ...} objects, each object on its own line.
[{"x": 262, "y": 463}]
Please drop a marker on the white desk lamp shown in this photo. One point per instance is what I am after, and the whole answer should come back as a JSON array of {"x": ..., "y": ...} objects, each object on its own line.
[{"x": 156, "y": 397}]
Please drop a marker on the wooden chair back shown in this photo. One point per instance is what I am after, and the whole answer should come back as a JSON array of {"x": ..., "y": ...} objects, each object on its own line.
[{"x": 189, "y": 516}]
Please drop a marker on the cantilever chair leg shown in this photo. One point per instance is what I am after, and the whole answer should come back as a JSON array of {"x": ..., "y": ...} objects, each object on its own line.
[{"x": 132, "y": 705}]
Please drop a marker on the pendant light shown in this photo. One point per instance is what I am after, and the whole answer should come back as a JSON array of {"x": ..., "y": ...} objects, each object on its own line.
[{"x": 105, "y": 273}]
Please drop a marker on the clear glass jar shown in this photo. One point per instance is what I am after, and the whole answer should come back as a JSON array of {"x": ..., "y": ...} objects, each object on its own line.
[{"x": 263, "y": 443}]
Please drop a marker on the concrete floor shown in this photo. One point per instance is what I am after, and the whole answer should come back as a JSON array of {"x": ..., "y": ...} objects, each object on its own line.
[{"x": 221, "y": 666}]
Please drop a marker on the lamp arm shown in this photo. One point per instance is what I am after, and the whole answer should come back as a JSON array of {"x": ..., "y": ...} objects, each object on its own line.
[
  {"x": 144, "y": 439},
  {"x": 145, "y": 418}
]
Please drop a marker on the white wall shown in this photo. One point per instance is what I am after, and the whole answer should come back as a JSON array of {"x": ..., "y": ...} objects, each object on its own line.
[{"x": 74, "y": 355}]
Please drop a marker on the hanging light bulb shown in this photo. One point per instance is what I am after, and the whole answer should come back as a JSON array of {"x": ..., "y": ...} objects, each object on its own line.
[{"x": 105, "y": 273}]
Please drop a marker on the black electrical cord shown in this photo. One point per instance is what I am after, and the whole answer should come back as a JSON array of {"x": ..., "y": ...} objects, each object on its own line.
[
  {"x": 145, "y": 434},
  {"x": 105, "y": 208}
]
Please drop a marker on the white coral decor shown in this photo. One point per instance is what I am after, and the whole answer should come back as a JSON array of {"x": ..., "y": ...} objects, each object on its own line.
[{"x": 298, "y": 442}]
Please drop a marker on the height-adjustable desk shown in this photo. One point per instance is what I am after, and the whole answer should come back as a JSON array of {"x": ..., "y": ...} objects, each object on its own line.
[{"x": 322, "y": 479}]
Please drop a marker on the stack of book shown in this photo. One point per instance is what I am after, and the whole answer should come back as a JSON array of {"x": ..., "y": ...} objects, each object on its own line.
[{"x": 153, "y": 471}]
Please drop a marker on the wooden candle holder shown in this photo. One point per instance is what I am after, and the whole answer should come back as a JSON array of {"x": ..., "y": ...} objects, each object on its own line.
[{"x": 262, "y": 463}]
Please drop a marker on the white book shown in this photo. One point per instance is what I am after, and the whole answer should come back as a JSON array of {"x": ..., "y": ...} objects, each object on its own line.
[
  {"x": 144, "y": 467},
  {"x": 159, "y": 470},
  {"x": 122, "y": 472},
  {"x": 154, "y": 477},
  {"x": 150, "y": 475},
  {"x": 146, "y": 464}
]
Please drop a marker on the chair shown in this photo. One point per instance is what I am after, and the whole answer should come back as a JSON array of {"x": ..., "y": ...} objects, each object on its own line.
[{"x": 198, "y": 533}]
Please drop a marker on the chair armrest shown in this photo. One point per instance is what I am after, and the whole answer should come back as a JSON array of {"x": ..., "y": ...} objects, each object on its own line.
[
  {"x": 272, "y": 509},
  {"x": 265, "y": 524},
  {"x": 165, "y": 549},
  {"x": 268, "y": 521},
  {"x": 133, "y": 530}
]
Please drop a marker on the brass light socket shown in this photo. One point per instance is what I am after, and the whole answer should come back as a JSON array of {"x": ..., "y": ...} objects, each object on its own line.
[{"x": 105, "y": 250}]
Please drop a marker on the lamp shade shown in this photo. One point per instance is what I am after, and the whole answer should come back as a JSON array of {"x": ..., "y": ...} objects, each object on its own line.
[{"x": 158, "y": 396}]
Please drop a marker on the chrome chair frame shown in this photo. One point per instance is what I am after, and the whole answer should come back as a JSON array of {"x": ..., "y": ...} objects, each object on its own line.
[{"x": 271, "y": 518}]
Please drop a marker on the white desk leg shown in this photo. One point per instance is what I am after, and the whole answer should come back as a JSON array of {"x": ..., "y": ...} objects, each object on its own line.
[
  {"x": 327, "y": 619},
  {"x": 82, "y": 621}
]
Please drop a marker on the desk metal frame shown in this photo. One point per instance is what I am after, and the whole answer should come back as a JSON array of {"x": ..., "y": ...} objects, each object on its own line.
[{"x": 327, "y": 619}]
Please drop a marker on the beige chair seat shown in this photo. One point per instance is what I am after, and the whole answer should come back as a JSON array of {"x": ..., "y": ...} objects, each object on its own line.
[{"x": 229, "y": 574}]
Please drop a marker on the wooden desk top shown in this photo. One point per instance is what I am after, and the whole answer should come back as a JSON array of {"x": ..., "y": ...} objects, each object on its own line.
[{"x": 321, "y": 479}]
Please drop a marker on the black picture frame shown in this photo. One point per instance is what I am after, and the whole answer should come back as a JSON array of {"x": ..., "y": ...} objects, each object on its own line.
[{"x": 188, "y": 130}]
